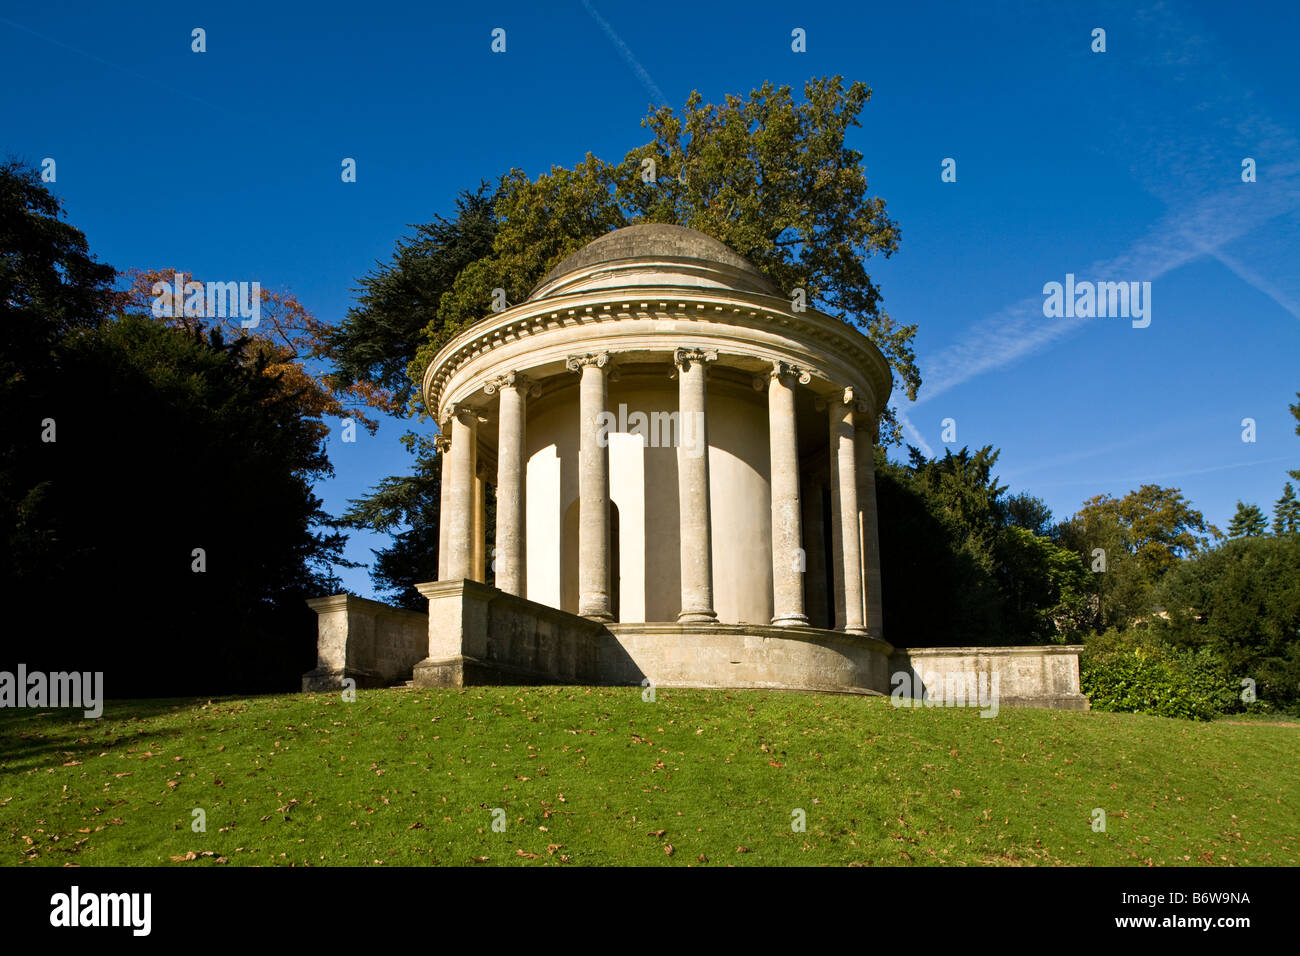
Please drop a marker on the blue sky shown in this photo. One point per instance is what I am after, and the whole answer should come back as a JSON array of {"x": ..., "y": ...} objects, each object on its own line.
[{"x": 1116, "y": 166}]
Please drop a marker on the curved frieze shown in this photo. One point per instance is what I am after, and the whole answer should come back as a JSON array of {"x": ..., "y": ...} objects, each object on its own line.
[{"x": 744, "y": 330}]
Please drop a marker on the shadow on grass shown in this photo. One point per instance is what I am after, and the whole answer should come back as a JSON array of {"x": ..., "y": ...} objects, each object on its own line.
[{"x": 29, "y": 737}]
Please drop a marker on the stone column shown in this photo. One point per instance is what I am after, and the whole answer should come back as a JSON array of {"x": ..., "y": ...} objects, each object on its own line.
[
  {"x": 509, "y": 555},
  {"x": 868, "y": 520},
  {"x": 480, "y": 526},
  {"x": 844, "y": 514},
  {"x": 789, "y": 561},
  {"x": 443, "y": 444},
  {"x": 693, "y": 486},
  {"x": 461, "y": 504},
  {"x": 593, "y": 489}
]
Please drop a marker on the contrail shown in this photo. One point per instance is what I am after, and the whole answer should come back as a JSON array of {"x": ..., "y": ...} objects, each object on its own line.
[
  {"x": 129, "y": 72},
  {"x": 1199, "y": 223},
  {"x": 1163, "y": 476},
  {"x": 656, "y": 94}
]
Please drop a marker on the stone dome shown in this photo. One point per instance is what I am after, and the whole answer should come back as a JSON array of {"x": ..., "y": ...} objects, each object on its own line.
[{"x": 677, "y": 255}]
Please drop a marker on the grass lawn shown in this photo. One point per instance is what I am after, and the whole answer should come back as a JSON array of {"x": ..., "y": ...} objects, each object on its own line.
[{"x": 590, "y": 776}]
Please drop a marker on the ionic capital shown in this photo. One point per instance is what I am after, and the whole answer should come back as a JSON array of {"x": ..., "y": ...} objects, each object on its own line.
[
  {"x": 847, "y": 396},
  {"x": 576, "y": 363},
  {"x": 461, "y": 413},
  {"x": 782, "y": 370},
  {"x": 682, "y": 358},
  {"x": 516, "y": 380}
]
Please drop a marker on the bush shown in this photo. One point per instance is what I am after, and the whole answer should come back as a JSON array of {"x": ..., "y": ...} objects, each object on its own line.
[{"x": 1132, "y": 672}]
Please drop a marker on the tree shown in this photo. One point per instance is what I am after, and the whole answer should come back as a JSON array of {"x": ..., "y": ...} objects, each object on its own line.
[
  {"x": 51, "y": 289},
  {"x": 1243, "y": 600},
  {"x": 937, "y": 590},
  {"x": 287, "y": 341},
  {"x": 1129, "y": 543},
  {"x": 1295, "y": 413},
  {"x": 398, "y": 301},
  {"x": 50, "y": 284},
  {"x": 409, "y": 503},
  {"x": 769, "y": 177},
  {"x": 1047, "y": 587},
  {"x": 397, "y": 307},
  {"x": 958, "y": 567},
  {"x": 156, "y": 505},
  {"x": 1030, "y": 512},
  {"x": 179, "y": 490},
  {"x": 1286, "y": 512},
  {"x": 1248, "y": 522}
]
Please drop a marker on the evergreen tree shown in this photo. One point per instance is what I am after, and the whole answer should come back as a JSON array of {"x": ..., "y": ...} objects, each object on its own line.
[
  {"x": 1286, "y": 512},
  {"x": 1248, "y": 522}
]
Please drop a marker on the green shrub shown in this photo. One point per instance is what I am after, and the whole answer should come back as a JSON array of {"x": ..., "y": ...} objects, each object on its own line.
[{"x": 1133, "y": 672}]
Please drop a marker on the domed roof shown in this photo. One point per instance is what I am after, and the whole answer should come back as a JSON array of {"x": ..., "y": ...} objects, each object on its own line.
[{"x": 657, "y": 241}]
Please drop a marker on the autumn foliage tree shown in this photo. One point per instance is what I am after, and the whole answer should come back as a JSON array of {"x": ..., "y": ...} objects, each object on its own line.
[
  {"x": 157, "y": 518},
  {"x": 288, "y": 345}
]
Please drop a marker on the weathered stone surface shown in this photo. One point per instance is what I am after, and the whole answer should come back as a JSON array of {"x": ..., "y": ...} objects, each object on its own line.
[
  {"x": 655, "y": 240},
  {"x": 479, "y": 635},
  {"x": 1046, "y": 676},
  {"x": 368, "y": 641},
  {"x": 475, "y": 634}
]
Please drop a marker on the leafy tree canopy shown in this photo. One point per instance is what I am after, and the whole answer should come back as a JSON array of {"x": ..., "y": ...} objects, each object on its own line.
[{"x": 770, "y": 177}]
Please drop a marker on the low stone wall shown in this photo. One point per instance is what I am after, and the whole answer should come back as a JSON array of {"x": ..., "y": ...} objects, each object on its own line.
[
  {"x": 477, "y": 635},
  {"x": 367, "y": 641},
  {"x": 1046, "y": 676}
]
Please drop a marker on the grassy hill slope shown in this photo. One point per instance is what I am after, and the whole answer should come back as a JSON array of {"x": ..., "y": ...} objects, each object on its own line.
[{"x": 599, "y": 776}]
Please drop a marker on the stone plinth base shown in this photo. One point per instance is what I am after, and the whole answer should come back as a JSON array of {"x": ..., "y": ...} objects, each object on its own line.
[
  {"x": 748, "y": 655},
  {"x": 477, "y": 635}
]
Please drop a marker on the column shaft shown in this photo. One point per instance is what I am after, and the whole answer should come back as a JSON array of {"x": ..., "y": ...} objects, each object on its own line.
[
  {"x": 509, "y": 557},
  {"x": 844, "y": 516},
  {"x": 593, "y": 492},
  {"x": 694, "y": 517},
  {"x": 443, "y": 443},
  {"x": 461, "y": 506},
  {"x": 789, "y": 561}
]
